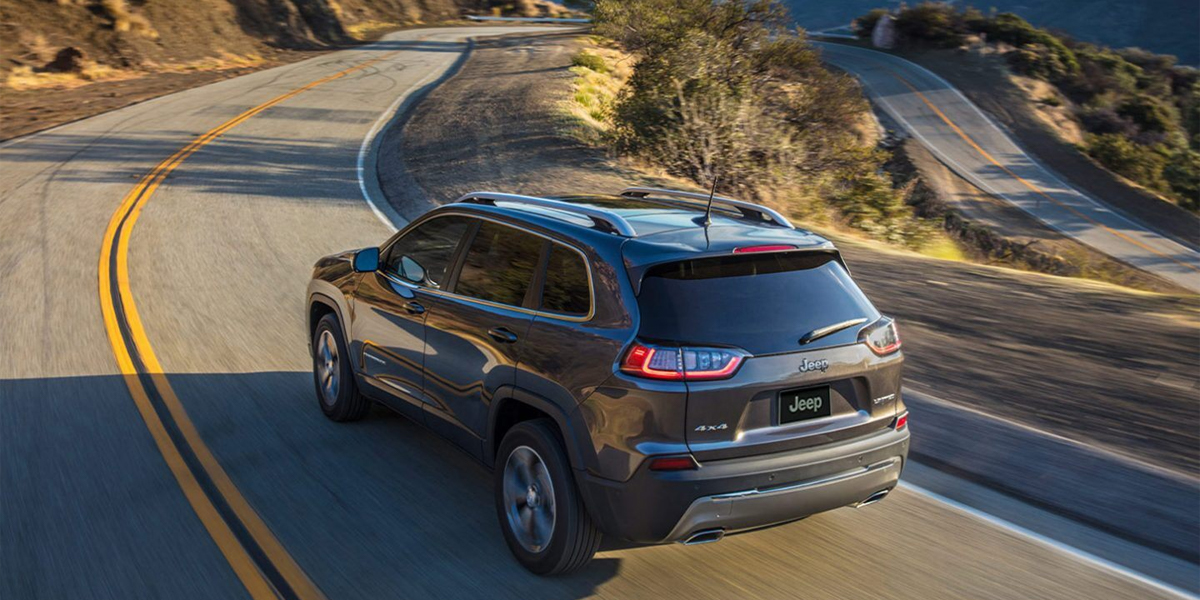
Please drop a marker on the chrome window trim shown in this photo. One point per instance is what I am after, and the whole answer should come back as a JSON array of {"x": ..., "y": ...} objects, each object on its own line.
[{"x": 587, "y": 264}]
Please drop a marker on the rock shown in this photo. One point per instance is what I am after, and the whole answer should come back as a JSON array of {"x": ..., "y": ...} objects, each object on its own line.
[{"x": 68, "y": 60}]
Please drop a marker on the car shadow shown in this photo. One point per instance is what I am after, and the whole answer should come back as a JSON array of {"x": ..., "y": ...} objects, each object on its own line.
[{"x": 376, "y": 508}]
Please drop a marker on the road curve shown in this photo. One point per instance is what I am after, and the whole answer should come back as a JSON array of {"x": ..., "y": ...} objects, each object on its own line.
[
  {"x": 972, "y": 145},
  {"x": 262, "y": 496}
]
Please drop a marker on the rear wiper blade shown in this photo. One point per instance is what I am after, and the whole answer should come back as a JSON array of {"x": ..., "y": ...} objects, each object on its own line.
[{"x": 821, "y": 332}]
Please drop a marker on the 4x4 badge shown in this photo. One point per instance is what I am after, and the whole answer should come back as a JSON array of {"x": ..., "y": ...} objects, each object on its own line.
[{"x": 814, "y": 365}]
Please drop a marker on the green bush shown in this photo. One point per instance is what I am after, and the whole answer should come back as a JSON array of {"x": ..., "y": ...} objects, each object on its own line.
[
  {"x": 1139, "y": 163},
  {"x": 1150, "y": 114},
  {"x": 1182, "y": 173},
  {"x": 932, "y": 23},
  {"x": 589, "y": 61},
  {"x": 728, "y": 90},
  {"x": 864, "y": 26},
  {"x": 1037, "y": 61}
]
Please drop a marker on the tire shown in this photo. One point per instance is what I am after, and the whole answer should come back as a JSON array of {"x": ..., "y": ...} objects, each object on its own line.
[
  {"x": 337, "y": 392},
  {"x": 573, "y": 537}
]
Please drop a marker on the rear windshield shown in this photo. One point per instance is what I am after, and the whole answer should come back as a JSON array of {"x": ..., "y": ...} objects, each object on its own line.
[{"x": 762, "y": 303}]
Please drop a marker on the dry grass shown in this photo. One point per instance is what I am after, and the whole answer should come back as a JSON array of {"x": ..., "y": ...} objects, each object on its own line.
[
  {"x": 25, "y": 78},
  {"x": 369, "y": 30},
  {"x": 1051, "y": 108},
  {"x": 126, "y": 20},
  {"x": 600, "y": 73}
]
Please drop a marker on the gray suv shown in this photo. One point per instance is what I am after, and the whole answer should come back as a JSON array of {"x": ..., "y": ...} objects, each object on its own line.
[{"x": 653, "y": 365}]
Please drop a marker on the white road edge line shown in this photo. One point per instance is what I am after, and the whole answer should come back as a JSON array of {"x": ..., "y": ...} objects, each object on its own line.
[
  {"x": 362, "y": 157},
  {"x": 392, "y": 221},
  {"x": 1107, "y": 452},
  {"x": 1081, "y": 555}
]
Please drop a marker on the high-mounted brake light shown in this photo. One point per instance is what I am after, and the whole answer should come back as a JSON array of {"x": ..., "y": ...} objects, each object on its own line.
[
  {"x": 881, "y": 336},
  {"x": 764, "y": 248},
  {"x": 675, "y": 363},
  {"x": 674, "y": 463}
]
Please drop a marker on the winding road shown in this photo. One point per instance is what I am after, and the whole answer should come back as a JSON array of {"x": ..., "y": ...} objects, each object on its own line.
[
  {"x": 977, "y": 149},
  {"x": 159, "y": 433}
]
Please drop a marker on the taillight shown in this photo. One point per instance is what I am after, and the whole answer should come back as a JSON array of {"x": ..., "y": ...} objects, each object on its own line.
[
  {"x": 673, "y": 463},
  {"x": 881, "y": 336},
  {"x": 675, "y": 363},
  {"x": 901, "y": 421},
  {"x": 763, "y": 248}
]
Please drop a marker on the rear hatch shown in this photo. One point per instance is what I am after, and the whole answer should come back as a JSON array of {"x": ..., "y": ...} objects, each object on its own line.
[{"x": 786, "y": 394}]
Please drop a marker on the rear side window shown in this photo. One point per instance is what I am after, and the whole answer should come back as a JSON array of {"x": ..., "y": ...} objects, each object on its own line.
[
  {"x": 423, "y": 254},
  {"x": 499, "y": 265},
  {"x": 763, "y": 303},
  {"x": 566, "y": 288}
]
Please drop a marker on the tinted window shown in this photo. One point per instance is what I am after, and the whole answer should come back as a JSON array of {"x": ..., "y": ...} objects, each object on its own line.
[
  {"x": 566, "y": 287},
  {"x": 423, "y": 254},
  {"x": 763, "y": 303},
  {"x": 499, "y": 264}
]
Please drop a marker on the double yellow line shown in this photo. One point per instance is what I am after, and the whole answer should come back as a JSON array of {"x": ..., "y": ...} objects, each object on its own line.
[
  {"x": 1033, "y": 188},
  {"x": 256, "y": 556}
]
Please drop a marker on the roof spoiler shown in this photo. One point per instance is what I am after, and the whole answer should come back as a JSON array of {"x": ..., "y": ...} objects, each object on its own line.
[{"x": 638, "y": 272}]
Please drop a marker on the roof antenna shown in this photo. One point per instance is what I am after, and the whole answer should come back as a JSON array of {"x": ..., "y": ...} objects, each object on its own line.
[{"x": 708, "y": 211}]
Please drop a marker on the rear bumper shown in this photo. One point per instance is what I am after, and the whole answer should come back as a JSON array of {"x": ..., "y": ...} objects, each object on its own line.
[{"x": 746, "y": 493}]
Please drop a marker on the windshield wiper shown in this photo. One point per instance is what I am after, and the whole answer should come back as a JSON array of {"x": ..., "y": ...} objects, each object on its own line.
[{"x": 821, "y": 332}]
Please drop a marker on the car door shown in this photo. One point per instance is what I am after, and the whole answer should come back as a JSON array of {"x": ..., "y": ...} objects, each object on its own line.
[
  {"x": 392, "y": 305},
  {"x": 473, "y": 339}
]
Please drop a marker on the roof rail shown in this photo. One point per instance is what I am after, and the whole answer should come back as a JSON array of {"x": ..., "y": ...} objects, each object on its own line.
[
  {"x": 748, "y": 209},
  {"x": 603, "y": 219}
]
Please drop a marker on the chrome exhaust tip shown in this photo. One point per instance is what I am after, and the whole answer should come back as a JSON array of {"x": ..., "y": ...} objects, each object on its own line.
[
  {"x": 873, "y": 498},
  {"x": 706, "y": 536}
]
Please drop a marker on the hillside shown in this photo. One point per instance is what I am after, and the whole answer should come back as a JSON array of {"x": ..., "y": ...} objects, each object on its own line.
[
  {"x": 62, "y": 60},
  {"x": 121, "y": 34},
  {"x": 1162, "y": 26}
]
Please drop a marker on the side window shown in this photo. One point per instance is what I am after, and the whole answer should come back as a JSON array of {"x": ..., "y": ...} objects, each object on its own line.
[
  {"x": 499, "y": 265},
  {"x": 423, "y": 255},
  {"x": 566, "y": 288}
]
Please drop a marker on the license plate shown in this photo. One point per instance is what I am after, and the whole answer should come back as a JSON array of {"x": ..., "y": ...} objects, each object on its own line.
[{"x": 801, "y": 405}]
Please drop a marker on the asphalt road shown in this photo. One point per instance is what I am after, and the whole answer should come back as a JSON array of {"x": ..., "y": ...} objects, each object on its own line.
[
  {"x": 93, "y": 504},
  {"x": 971, "y": 144}
]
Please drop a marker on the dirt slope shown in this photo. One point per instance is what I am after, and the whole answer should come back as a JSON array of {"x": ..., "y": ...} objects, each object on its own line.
[
  {"x": 1089, "y": 361},
  {"x": 139, "y": 33}
]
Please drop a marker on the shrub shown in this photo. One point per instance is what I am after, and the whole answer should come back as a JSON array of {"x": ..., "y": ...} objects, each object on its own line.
[
  {"x": 727, "y": 90},
  {"x": 1149, "y": 113},
  {"x": 1134, "y": 161},
  {"x": 933, "y": 23},
  {"x": 1182, "y": 173},
  {"x": 588, "y": 60},
  {"x": 1037, "y": 61},
  {"x": 864, "y": 26},
  {"x": 1103, "y": 120}
]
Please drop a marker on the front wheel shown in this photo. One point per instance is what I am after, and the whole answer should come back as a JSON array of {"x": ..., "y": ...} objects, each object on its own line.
[
  {"x": 541, "y": 513},
  {"x": 333, "y": 375}
]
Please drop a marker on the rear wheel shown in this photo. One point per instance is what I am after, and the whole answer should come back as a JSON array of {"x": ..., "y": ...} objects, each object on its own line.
[
  {"x": 333, "y": 375},
  {"x": 541, "y": 512}
]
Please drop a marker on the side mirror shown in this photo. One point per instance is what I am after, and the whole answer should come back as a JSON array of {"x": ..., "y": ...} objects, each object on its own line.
[
  {"x": 412, "y": 270},
  {"x": 366, "y": 260}
]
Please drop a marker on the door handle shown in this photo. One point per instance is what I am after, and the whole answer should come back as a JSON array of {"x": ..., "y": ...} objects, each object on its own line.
[
  {"x": 502, "y": 335},
  {"x": 414, "y": 308}
]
